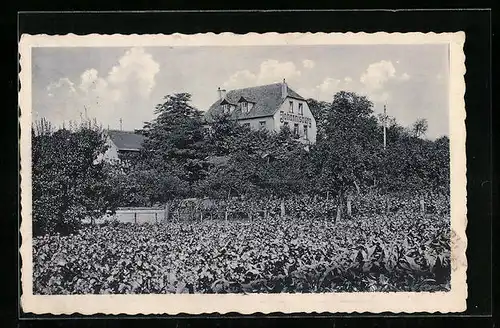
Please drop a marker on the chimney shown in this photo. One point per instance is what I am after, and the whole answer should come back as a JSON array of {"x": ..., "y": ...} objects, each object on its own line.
[
  {"x": 223, "y": 93},
  {"x": 284, "y": 89},
  {"x": 219, "y": 91}
]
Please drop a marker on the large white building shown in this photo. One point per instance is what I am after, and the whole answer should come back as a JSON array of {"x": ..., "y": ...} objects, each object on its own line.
[{"x": 269, "y": 106}]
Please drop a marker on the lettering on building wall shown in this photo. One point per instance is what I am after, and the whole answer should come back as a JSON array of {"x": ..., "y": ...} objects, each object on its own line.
[{"x": 294, "y": 118}]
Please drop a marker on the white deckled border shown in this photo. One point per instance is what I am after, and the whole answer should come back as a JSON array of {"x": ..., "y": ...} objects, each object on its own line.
[{"x": 444, "y": 302}]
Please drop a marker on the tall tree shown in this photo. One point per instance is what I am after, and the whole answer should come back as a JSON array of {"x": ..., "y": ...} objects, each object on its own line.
[
  {"x": 347, "y": 158},
  {"x": 174, "y": 147},
  {"x": 320, "y": 110},
  {"x": 69, "y": 182},
  {"x": 419, "y": 128}
]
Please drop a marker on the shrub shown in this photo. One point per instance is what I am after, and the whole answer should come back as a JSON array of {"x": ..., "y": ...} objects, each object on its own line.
[{"x": 69, "y": 181}]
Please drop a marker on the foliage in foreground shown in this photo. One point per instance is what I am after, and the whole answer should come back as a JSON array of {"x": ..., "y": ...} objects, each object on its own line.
[
  {"x": 70, "y": 182},
  {"x": 377, "y": 253}
]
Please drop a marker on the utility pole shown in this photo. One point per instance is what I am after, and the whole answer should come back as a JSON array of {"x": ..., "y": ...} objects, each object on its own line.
[
  {"x": 86, "y": 117},
  {"x": 121, "y": 121},
  {"x": 385, "y": 127}
]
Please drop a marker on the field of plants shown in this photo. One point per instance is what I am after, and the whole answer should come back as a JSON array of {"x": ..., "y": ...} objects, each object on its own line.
[{"x": 395, "y": 252}]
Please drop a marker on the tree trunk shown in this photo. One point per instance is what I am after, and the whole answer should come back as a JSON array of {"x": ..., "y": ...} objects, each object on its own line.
[
  {"x": 349, "y": 207},
  {"x": 339, "y": 213},
  {"x": 283, "y": 212},
  {"x": 422, "y": 205},
  {"x": 339, "y": 208}
]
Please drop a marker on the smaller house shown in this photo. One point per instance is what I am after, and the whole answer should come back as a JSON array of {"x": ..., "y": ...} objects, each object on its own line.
[{"x": 123, "y": 142}]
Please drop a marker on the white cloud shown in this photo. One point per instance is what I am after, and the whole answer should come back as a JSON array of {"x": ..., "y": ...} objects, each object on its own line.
[
  {"x": 120, "y": 93},
  {"x": 308, "y": 63},
  {"x": 327, "y": 88},
  {"x": 241, "y": 79},
  {"x": 377, "y": 74},
  {"x": 380, "y": 97},
  {"x": 329, "y": 84},
  {"x": 62, "y": 83},
  {"x": 376, "y": 80},
  {"x": 90, "y": 80},
  {"x": 404, "y": 77},
  {"x": 270, "y": 71},
  {"x": 136, "y": 66}
]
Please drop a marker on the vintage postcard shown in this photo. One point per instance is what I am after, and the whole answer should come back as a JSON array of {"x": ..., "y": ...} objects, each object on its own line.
[{"x": 217, "y": 173}]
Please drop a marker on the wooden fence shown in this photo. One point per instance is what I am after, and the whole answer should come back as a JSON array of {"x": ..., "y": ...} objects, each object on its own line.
[
  {"x": 194, "y": 210},
  {"x": 137, "y": 215},
  {"x": 140, "y": 215}
]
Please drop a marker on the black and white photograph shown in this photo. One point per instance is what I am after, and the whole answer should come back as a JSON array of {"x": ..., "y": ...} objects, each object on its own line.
[{"x": 254, "y": 174}]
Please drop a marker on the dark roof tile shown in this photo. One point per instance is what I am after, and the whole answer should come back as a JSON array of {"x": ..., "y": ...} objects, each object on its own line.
[
  {"x": 126, "y": 140},
  {"x": 266, "y": 98}
]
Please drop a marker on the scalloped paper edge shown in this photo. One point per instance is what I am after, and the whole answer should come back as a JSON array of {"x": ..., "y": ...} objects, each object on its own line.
[{"x": 400, "y": 302}]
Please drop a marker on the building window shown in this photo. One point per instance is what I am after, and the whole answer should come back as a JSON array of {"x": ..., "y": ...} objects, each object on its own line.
[
  {"x": 305, "y": 132},
  {"x": 291, "y": 106},
  {"x": 244, "y": 107},
  {"x": 262, "y": 124},
  {"x": 296, "y": 129},
  {"x": 247, "y": 125},
  {"x": 285, "y": 125},
  {"x": 301, "y": 109}
]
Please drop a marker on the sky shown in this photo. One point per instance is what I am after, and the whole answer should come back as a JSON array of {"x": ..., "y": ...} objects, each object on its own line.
[{"x": 111, "y": 83}]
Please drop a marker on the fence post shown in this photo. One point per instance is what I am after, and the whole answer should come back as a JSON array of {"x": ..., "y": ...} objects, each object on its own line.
[
  {"x": 167, "y": 208},
  {"x": 339, "y": 208},
  {"x": 156, "y": 217},
  {"x": 282, "y": 208},
  {"x": 349, "y": 205},
  {"x": 135, "y": 217},
  {"x": 422, "y": 206}
]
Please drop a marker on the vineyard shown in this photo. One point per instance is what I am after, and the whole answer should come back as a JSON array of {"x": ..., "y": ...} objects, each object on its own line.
[
  {"x": 397, "y": 252},
  {"x": 239, "y": 210}
]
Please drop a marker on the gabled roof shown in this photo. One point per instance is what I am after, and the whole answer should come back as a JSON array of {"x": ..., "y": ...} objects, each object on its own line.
[
  {"x": 243, "y": 99},
  {"x": 226, "y": 101},
  {"x": 267, "y": 100},
  {"x": 126, "y": 140}
]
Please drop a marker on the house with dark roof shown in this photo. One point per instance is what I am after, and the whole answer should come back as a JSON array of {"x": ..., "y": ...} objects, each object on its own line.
[
  {"x": 271, "y": 106},
  {"x": 123, "y": 142}
]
